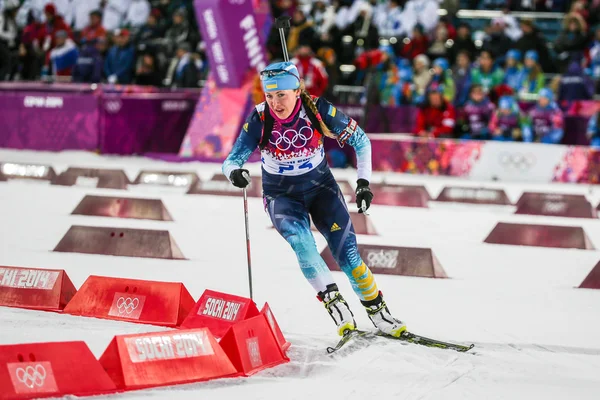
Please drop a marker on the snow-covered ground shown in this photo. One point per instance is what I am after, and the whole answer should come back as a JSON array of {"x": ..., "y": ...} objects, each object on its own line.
[{"x": 536, "y": 334}]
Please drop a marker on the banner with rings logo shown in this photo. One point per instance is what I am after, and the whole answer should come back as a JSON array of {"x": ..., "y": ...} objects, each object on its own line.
[
  {"x": 521, "y": 162},
  {"x": 32, "y": 377},
  {"x": 127, "y": 305}
]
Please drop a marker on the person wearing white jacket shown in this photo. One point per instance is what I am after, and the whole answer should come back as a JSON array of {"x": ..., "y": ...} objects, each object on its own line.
[
  {"x": 424, "y": 12},
  {"x": 81, "y": 10},
  {"x": 138, "y": 13},
  {"x": 63, "y": 8},
  {"x": 114, "y": 14}
]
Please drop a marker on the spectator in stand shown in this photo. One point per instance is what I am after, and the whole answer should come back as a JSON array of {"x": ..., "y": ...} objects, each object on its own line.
[
  {"x": 533, "y": 79},
  {"x": 574, "y": 84},
  {"x": 151, "y": 29},
  {"x": 95, "y": 29},
  {"x": 405, "y": 85},
  {"x": 442, "y": 75},
  {"x": 31, "y": 57},
  {"x": 137, "y": 13},
  {"x": 463, "y": 42},
  {"x": 113, "y": 13},
  {"x": 507, "y": 122},
  {"x": 440, "y": 47},
  {"x": 63, "y": 57},
  {"x": 421, "y": 77},
  {"x": 391, "y": 23},
  {"x": 545, "y": 122},
  {"x": 487, "y": 74},
  {"x": 423, "y": 12},
  {"x": 496, "y": 42},
  {"x": 476, "y": 115},
  {"x": 322, "y": 14},
  {"x": 363, "y": 30},
  {"x": 572, "y": 40},
  {"x": 301, "y": 32},
  {"x": 81, "y": 11},
  {"x": 91, "y": 61},
  {"x": 186, "y": 73},
  {"x": 179, "y": 32},
  {"x": 54, "y": 23},
  {"x": 418, "y": 44},
  {"x": 592, "y": 56},
  {"x": 461, "y": 74},
  {"x": 436, "y": 118},
  {"x": 593, "y": 130},
  {"x": 386, "y": 79},
  {"x": 533, "y": 39},
  {"x": 8, "y": 38},
  {"x": 513, "y": 70},
  {"x": 312, "y": 70},
  {"x": 118, "y": 66},
  {"x": 147, "y": 72}
]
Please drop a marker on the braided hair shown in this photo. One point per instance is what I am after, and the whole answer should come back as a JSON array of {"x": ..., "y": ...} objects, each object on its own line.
[{"x": 311, "y": 106}]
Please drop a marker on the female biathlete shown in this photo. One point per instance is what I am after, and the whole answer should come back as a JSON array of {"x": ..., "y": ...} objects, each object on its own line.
[{"x": 289, "y": 128}]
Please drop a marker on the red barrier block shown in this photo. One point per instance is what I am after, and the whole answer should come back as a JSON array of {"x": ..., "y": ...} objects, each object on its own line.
[
  {"x": 220, "y": 186},
  {"x": 284, "y": 344},
  {"x": 592, "y": 281},
  {"x": 165, "y": 358},
  {"x": 536, "y": 196},
  {"x": 106, "y": 178},
  {"x": 568, "y": 237},
  {"x": 400, "y": 195},
  {"x": 38, "y": 289},
  {"x": 146, "y": 302},
  {"x": 27, "y": 171},
  {"x": 123, "y": 207},
  {"x": 391, "y": 260},
  {"x": 119, "y": 242},
  {"x": 219, "y": 311},
  {"x": 252, "y": 346},
  {"x": 35, "y": 370},
  {"x": 573, "y": 206},
  {"x": 167, "y": 178},
  {"x": 473, "y": 196}
]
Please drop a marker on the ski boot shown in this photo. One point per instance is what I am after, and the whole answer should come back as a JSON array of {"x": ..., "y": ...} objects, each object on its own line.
[
  {"x": 382, "y": 319},
  {"x": 337, "y": 307}
]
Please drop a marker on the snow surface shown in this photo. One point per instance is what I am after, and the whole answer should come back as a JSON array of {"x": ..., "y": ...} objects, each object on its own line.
[{"x": 536, "y": 334}]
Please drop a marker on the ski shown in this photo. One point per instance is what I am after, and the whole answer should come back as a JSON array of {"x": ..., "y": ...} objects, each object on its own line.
[{"x": 407, "y": 337}]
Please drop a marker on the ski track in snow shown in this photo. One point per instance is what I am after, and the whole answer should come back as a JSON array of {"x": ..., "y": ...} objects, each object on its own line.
[{"x": 536, "y": 335}]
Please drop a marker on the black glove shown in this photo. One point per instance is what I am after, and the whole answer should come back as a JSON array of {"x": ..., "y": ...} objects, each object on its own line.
[
  {"x": 240, "y": 178},
  {"x": 363, "y": 193}
]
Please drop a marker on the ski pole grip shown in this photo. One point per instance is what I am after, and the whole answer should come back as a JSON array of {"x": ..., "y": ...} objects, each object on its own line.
[
  {"x": 246, "y": 176},
  {"x": 283, "y": 22}
]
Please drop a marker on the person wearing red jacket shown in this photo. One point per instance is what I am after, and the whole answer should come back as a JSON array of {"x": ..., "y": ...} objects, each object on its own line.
[
  {"x": 54, "y": 23},
  {"x": 312, "y": 69},
  {"x": 437, "y": 117}
]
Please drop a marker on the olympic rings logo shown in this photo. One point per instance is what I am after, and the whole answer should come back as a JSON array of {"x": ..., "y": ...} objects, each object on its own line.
[
  {"x": 126, "y": 305},
  {"x": 298, "y": 139},
  {"x": 383, "y": 258},
  {"x": 517, "y": 161},
  {"x": 32, "y": 376}
]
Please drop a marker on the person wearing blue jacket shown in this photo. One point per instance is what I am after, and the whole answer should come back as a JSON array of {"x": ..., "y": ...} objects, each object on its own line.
[
  {"x": 513, "y": 71},
  {"x": 90, "y": 62},
  {"x": 119, "y": 63},
  {"x": 545, "y": 120},
  {"x": 593, "y": 130}
]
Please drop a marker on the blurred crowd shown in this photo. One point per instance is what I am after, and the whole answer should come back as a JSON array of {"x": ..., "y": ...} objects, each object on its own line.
[
  {"x": 466, "y": 83},
  {"x": 144, "y": 42}
]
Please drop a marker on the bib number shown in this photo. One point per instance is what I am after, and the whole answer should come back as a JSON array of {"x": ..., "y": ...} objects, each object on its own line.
[{"x": 285, "y": 168}]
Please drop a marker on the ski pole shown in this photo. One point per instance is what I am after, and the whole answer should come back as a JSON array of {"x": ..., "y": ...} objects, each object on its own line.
[
  {"x": 247, "y": 177},
  {"x": 282, "y": 23}
]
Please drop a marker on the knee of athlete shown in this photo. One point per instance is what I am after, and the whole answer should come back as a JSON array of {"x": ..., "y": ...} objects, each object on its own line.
[
  {"x": 304, "y": 246},
  {"x": 363, "y": 281}
]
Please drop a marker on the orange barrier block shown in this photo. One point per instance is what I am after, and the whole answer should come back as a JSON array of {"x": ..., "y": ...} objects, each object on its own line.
[
  {"x": 391, "y": 260},
  {"x": 252, "y": 346},
  {"x": 147, "y": 302},
  {"x": 123, "y": 207},
  {"x": 106, "y": 178},
  {"x": 37, "y": 370},
  {"x": 283, "y": 343},
  {"x": 473, "y": 196},
  {"x": 38, "y": 289},
  {"x": 165, "y": 358},
  {"x": 568, "y": 237},
  {"x": 119, "y": 242},
  {"x": 219, "y": 311}
]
